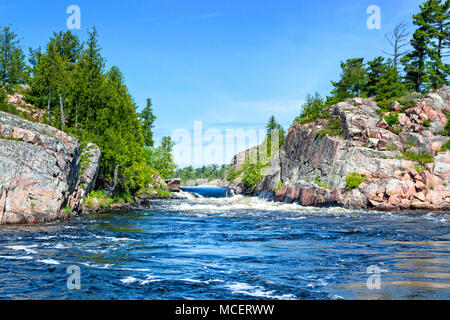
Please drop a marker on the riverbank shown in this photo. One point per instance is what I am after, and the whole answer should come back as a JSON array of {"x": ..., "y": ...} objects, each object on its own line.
[{"x": 363, "y": 162}]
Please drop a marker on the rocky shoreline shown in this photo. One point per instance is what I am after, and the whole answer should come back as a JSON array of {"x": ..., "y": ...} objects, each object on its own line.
[
  {"x": 42, "y": 175},
  {"x": 312, "y": 168},
  {"x": 45, "y": 174}
]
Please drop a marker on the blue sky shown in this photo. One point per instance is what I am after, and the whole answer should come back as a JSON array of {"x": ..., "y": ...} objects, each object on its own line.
[{"x": 230, "y": 64}]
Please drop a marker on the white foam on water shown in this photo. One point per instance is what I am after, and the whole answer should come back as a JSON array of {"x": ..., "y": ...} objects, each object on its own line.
[
  {"x": 257, "y": 291},
  {"x": 49, "y": 261},
  {"x": 46, "y": 237},
  {"x": 17, "y": 257},
  {"x": 24, "y": 248},
  {"x": 129, "y": 280},
  {"x": 114, "y": 238},
  {"x": 238, "y": 202}
]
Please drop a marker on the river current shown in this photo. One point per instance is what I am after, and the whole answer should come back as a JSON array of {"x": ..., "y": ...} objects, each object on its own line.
[{"x": 212, "y": 247}]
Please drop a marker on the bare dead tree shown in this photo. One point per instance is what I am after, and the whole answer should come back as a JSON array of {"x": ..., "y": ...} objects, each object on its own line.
[{"x": 398, "y": 39}]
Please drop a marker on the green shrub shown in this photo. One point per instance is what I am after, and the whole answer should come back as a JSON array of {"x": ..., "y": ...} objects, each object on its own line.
[
  {"x": 123, "y": 197},
  {"x": 232, "y": 174},
  {"x": 354, "y": 180},
  {"x": 320, "y": 183},
  {"x": 407, "y": 100},
  {"x": 163, "y": 192},
  {"x": 420, "y": 157},
  {"x": 252, "y": 174},
  {"x": 426, "y": 123},
  {"x": 395, "y": 130},
  {"x": 391, "y": 147},
  {"x": 279, "y": 186},
  {"x": 446, "y": 131},
  {"x": 312, "y": 109},
  {"x": 11, "y": 138},
  {"x": 420, "y": 168},
  {"x": 392, "y": 119},
  {"x": 332, "y": 128},
  {"x": 445, "y": 146},
  {"x": 100, "y": 197}
]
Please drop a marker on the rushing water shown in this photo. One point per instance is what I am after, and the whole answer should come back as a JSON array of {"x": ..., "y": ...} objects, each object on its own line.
[{"x": 229, "y": 248}]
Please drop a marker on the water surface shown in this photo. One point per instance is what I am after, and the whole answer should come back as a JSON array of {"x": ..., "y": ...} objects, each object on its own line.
[{"x": 229, "y": 248}]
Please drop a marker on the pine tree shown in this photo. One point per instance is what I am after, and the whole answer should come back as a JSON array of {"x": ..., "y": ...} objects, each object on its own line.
[
  {"x": 274, "y": 128},
  {"x": 147, "y": 118},
  {"x": 438, "y": 42},
  {"x": 13, "y": 69},
  {"x": 389, "y": 86},
  {"x": 415, "y": 61},
  {"x": 91, "y": 79},
  {"x": 161, "y": 158},
  {"x": 384, "y": 81},
  {"x": 377, "y": 67},
  {"x": 52, "y": 84},
  {"x": 352, "y": 83}
]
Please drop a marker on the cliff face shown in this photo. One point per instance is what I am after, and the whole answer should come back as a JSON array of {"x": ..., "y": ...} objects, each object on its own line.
[
  {"x": 43, "y": 175},
  {"x": 308, "y": 161}
]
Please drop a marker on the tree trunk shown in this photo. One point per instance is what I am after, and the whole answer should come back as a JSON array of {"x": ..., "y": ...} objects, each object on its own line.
[
  {"x": 48, "y": 106},
  {"x": 61, "y": 108},
  {"x": 76, "y": 115},
  {"x": 116, "y": 169}
]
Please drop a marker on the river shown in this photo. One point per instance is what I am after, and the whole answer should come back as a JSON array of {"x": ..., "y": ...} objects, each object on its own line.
[{"x": 229, "y": 248}]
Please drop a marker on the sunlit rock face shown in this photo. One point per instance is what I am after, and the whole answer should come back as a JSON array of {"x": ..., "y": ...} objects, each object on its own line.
[
  {"x": 308, "y": 162},
  {"x": 41, "y": 174}
]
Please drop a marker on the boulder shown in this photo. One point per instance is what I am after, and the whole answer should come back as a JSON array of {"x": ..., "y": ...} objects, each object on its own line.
[
  {"x": 41, "y": 176},
  {"x": 174, "y": 184}
]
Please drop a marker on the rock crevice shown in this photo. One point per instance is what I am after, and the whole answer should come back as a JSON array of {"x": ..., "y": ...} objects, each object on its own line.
[{"x": 41, "y": 174}]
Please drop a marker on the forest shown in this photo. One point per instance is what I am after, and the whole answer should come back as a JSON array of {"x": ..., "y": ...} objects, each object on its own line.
[{"x": 68, "y": 81}]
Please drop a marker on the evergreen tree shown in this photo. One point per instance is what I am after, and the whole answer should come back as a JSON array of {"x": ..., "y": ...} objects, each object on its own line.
[
  {"x": 352, "y": 83},
  {"x": 274, "y": 128},
  {"x": 311, "y": 109},
  {"x": 377, "y": 68},
  {"x": 91, "y": 80},
  {"x": 147, "y": 118},
  {"x": 52, "y": 84},
  {"x": 119, "y": 135},
  {"x": 415, "y": 61},
  {"x": 438, "y": 25},
  {"x": 384, "y": 81},
  {"x": 13, "y": 70},
  {"x": 161, "y": 158},
  {"x": 390, "y": 86}
]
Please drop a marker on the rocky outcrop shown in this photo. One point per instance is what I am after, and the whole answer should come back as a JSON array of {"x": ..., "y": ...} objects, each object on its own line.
[
  {"x": 312, "y": 167},
  {"x": 173, "y": 184},
  {"x": 43, "y": 174}
]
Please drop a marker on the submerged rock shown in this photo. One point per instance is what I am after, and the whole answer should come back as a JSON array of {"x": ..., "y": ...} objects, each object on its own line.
[{"x": 40, "y": 171}]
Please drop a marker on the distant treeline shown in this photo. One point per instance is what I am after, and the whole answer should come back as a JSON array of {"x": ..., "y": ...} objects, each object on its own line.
[{"x": 210, "y": 172}]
